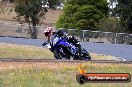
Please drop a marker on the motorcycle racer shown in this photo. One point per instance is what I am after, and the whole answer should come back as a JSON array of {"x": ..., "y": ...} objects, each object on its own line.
[
  {"x": 52, "y": 36},
  {"x": 49, "y": 32}
]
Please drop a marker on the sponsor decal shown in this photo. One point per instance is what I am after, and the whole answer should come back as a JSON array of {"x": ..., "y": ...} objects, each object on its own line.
[{"x": 83, "y": 77}]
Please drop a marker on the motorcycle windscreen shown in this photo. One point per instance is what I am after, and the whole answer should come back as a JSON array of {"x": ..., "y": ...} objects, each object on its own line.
[{"x": 55, "y": 40}]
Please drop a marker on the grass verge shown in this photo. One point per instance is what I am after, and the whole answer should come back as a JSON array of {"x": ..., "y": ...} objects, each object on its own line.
[
  {"x": 49, "y": 74},
  {"x": 23, "y": 51},
  {"x": 62, "y": 75}
]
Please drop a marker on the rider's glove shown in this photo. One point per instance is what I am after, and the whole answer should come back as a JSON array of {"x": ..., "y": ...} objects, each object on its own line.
[{"x": 44, "y": 43}]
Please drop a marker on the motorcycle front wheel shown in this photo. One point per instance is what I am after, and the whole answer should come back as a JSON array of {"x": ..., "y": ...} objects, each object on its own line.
[
  {"x": 60, "y": 55},
  {"x": 57, "y": 54}
]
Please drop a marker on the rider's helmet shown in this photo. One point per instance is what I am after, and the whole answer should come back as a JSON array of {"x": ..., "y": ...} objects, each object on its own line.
[{"x": 48, "y": 31}]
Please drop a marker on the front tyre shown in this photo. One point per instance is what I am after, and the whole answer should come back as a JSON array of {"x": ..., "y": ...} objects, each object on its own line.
[
  {"x": 57, "y": 54},
  {"x": 61, "y": 54}
]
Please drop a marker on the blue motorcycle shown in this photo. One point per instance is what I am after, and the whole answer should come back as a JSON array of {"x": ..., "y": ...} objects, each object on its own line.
[{"x": 62, "y": 49}]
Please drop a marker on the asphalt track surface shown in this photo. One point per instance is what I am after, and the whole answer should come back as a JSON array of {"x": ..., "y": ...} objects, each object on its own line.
[{"x": 117, "y": 50}]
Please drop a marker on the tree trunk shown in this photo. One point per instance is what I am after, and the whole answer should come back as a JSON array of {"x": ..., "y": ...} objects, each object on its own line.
[{"x": 34, "y": 29}]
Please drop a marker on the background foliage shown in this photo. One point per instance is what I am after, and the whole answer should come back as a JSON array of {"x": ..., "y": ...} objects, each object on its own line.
[{"x": 83, "y": 14}]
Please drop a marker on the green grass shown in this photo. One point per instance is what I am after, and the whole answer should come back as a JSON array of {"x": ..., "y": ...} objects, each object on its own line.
[
  {"x": 43, "y": 75},
  {"x": 20, "y": 51},
  {"x": 61, "y": 77}
]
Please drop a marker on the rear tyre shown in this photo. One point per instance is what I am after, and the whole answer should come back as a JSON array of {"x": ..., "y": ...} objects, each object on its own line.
[{"x": 86, "y": 55}]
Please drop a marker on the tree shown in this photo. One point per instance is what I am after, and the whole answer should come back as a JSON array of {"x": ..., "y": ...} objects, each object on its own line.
[
  {"x": 2, "y": 7},
  {"x": 52, "y": 3},
  {"x": 33, "y": 12},
  {"x": 30, "y": 9},
  {"x": 110, "y": 24},
  {"x": 125, "y": 14},
  {"x": 112, "y": 6},
  {"x": 82, "y": 14}
]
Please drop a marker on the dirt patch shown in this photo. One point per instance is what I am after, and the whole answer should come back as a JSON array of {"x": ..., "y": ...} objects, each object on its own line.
[
  {"x": 51, "y": 65},
  {"x": 9, "y": 24},
  {"x": 50, "y": 18},
  {"x": 39, "y": 65}
]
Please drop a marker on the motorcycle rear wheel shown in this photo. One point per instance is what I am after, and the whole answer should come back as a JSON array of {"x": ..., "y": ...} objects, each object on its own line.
[{"x": 86, "y": 55}]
